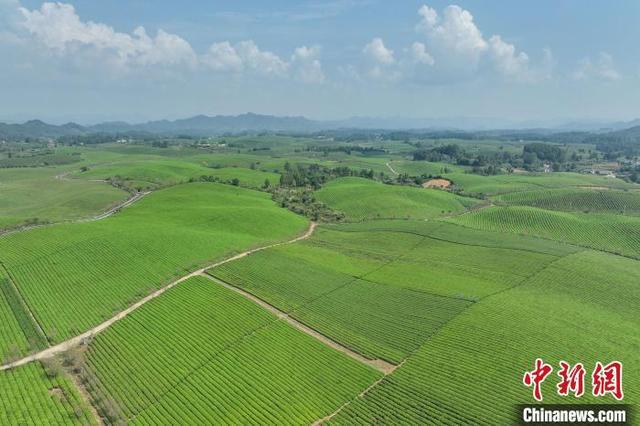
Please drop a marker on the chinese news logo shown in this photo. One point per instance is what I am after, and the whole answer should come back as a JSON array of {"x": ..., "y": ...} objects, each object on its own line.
[{"x": 605, "y": 379}]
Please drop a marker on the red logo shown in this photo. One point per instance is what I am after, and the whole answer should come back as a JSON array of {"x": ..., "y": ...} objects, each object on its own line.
[
  {"x": 536, "y": 377},
  {"x": 572, "y": 379},
  {"x": 606, "y": 379}
]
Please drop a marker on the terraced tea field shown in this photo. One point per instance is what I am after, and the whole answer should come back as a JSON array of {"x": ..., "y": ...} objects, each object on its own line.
[
  {"x": 383, "y": 293},
  {"x": 361, "y": 199},
  {"x": 515, "y": 182},
  {"x": 74, "y": 276},
  {"x": 30, "y": 396},
  {"x": 155, "y": 173},
  {"x": 577, "y": 200},
  {"x": 613, "y": 233},
  {"x": 420, "y": 307},
  {"x": 193, "y": 355},
  {"x": 13, "y": 341},
  {"x": 578, "y": 309}
]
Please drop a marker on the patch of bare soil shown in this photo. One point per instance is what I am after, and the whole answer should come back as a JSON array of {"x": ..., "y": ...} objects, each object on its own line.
[{"x": 437, "y": 183}]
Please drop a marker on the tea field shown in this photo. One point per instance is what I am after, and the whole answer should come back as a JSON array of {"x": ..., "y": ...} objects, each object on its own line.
[
  {"x": 603, "y": 231},
  {"x": 579, "y": 309},
  {"x": 202, "y": 353},
  {"x": 361, "y": 199},
  {"x": 29, "y": 396},
  {"x": 74, "y": 276}
]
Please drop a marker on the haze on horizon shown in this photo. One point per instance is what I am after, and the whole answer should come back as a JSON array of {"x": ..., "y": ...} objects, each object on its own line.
[{"x": 325, "y": 59}]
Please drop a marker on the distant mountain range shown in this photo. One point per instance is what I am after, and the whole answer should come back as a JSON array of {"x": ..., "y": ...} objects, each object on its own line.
[
  {"x": 200, "y": 125},
  {"x": 203, "y": 125}
]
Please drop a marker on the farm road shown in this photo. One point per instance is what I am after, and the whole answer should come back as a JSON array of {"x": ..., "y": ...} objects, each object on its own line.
[{"x": 80, "y": 339}]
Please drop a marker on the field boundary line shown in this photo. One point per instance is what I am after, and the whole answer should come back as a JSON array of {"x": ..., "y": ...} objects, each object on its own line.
[
  {"x": 432, "y": 237},
  {"x": 87, "y": 335},
  {"x": 26, "y": 307},
  {"x": 392, "y": 169},
  {"x": 85, "y": 396},
  {"x": 567, "y": 243},
  {"x": 380, "y": 365}
]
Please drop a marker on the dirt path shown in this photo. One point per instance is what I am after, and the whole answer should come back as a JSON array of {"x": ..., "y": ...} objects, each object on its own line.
[
  {"x": 86, "y": 397},
  {"x": 380, "y": 365},
  {"x": 136, "y": 196},
  {"x": 473, "y": 209},
  {"x": 392, "y": 169},
  {"x": 86, "y": 336}
]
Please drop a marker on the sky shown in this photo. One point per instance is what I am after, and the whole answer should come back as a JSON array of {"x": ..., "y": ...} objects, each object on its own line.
[{"x": 135, "y": 60}]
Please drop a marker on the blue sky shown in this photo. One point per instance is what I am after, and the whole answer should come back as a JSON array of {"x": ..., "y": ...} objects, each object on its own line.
[{"x": 136, "y": 60}]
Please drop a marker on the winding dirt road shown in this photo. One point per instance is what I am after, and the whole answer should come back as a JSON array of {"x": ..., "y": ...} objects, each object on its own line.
[
  {"x": 82, "y": 338},
  {"x": 135, "y": 197}
]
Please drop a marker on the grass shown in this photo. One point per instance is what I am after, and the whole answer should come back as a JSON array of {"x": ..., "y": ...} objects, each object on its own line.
[
  {"x": 146, "y": 174},
  {"x": 576, "y": 200},
  {"x": 581, "y": 308},
  {"x": 418, "y": 168},
  {"x": 35, "y": 193},
  {"x": 515, "y": 182},
  {"x": 362, "y": 199},
  {"x": 74, "y": 276},
  {"x": 30, "y": 396},
  {"x": 215, "y": 357},
  {"x": 609, "y": 232},
  {"x": 384, "y": 292}
]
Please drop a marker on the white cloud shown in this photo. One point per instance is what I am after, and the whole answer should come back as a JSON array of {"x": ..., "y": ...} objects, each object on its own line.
[
  {"x": 429, "y": 19},
  {"x": 308, "y": 67},
  {"x": 455, "y": 32},
  {"x": 223, "y": 57},
  {"x": 507, "y": 60},
  {"x": 377, "y": 51},
  {"x": 420, "y": 55},
  {"x": 261, "y": 61},
  {"x": 602, "y": 69},
  {"x": 459, "y": 48},
  {"x": 243, "y": 56},
  {"x": 59, "y": 28}
]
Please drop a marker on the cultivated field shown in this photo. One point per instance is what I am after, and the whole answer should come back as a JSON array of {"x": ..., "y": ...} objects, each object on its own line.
[
  {"x": 292, "y": 280},
  {"x": 74, "y": 276},
  {"x": 29, "y": 196},
  {"x": 608, "y": 232},
  {"x": 202, "y": 353},
  {"x": 362, "y": 199},
  {"x": 31, "y": 397},
  {"x": 578, "y": 309}
]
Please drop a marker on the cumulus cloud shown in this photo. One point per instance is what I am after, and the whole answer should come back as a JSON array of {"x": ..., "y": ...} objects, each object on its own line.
[
  {"x": 603, "y": 68},
  {"x": 456, "y": 32},
  {"x": 223, "y": 57},
  {"x": 506, "y": 59},
  {"x": 376, "y": 51},
  {"x": 420, "y": 55},
  {"x": 307, "y": 65},
  {"x": 380, "y": 64},
  {"x": 58, "y": 27},
  {"x": 460, "y": 48},
  {"x": 264, "y": 62}
]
